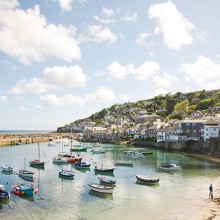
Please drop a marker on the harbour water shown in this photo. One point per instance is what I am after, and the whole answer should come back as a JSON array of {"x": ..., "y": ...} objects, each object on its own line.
[{"x": 175, "y": 197}]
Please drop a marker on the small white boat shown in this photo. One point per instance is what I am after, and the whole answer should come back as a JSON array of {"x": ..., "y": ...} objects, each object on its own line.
[
  {"x": 101, "y": 188},
  {"x": 26, "y": 173},
  {"x": 98, "y": 151},
  {"x": 124, "y": 163},
  {"x": 60, "y": 160},
  {"x": 168, "y": 167},
  {"x": 66, "y": 174},
  {"x": 7, "y": 168}
]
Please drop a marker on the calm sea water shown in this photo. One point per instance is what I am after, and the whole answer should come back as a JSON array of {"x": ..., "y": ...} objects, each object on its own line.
[{"x": 177, "y": 194}]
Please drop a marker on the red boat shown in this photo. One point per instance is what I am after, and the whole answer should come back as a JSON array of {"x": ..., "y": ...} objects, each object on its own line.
[{"x": 74, "y": 159}]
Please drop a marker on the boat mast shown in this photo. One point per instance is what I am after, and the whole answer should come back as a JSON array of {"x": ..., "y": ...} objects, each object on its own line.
[{"x": 39, "y": 151}]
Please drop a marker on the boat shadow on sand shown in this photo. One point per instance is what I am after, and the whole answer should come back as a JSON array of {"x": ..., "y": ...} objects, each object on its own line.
[{"x": 148, "y": 184}]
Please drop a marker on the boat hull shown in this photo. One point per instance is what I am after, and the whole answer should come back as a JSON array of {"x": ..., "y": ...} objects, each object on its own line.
[
  {"x": 147, "y": 180},
  {"x": 101, "y": 189}
]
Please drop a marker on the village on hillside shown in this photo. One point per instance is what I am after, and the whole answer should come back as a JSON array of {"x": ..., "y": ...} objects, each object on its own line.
[{"x": 197, "y": 127}]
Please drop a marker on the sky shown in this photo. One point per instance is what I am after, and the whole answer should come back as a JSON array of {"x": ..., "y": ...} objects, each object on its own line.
[{"x": 63, "y": 60}]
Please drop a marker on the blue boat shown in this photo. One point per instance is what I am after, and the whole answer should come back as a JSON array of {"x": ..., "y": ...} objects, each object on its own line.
[{"x": 24, "y": 189}]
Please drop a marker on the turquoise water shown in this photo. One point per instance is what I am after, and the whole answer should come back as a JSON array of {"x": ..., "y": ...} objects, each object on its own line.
[{"x": 174, "y": 197}]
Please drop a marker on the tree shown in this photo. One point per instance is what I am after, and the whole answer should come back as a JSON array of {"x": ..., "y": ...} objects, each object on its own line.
[{"x": 181, "y": 108}]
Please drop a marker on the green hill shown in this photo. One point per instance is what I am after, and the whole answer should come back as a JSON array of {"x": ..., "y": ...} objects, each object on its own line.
[{"x": 168, "y": 106}]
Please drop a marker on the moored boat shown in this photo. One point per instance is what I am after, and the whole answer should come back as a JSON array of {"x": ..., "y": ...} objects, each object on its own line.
[
  {"x": 66, "y": 174},
  {"x": 124, "y": 163},
  {"x": 82, "y": 164},
  {"x": 104, "y": 180},
  {"x": 25, "y": 173},
  {"x": 60, "y": 160},
  {"x": 4, "y": 195},
  {"x": 147, "y": 180},
  {"x": 37, "y": 162},
  {"x": 103, "y": 169},
  {"x": 78, "y": 149},
  {"x": 24, "y": 189},
  {"x": 74, "y": 159},
  {"x": 101, "y": 188},
  {"x": 146, "y": 153},
  {"x": 98, "y": 151},
  {"x": 169, "y": 167},
  {"x": 7, "y": 168}
]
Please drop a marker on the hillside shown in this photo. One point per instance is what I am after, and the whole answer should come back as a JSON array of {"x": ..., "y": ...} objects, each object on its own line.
[{"x": 168, "y": 106}]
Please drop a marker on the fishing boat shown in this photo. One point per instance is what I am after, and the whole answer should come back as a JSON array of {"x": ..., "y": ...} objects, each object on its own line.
[
  {"x": 169, "y": 167},
  {"x": 7, "y": 168},
  {"x": 147, "y": 180},
  {"x": 101, "y": 188},
  {"x": 37, "y": 162},
  {"x": 4, "y": 195},
  {"x": 24, "y": 189},
  {"x": 103, "y": 169},
  {"x": 104, "y": 180},
  {"x": 124, "y": 163},
  {"x": 129, "y": 152},
  {"x": 82, "y": 164},
  {"x": 66, "y": 174}
]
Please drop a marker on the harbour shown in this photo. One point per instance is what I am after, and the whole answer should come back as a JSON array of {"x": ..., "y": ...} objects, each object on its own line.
[{"x": 178, "y": 195}]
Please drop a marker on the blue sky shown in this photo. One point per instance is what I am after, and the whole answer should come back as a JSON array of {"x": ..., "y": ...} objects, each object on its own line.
[{"x": 62, "y": 60}]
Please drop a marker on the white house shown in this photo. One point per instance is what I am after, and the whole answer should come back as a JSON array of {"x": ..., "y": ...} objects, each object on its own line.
[{"x": 211, "y": 129}]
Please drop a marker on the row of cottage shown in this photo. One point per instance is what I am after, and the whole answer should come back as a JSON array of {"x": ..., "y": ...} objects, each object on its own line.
[{"x": 198, "y": 127}]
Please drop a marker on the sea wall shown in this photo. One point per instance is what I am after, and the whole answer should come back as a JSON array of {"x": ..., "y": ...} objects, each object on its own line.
[
  {"x": 17, "y": 139},
  {"x": 211, "y": 147}
]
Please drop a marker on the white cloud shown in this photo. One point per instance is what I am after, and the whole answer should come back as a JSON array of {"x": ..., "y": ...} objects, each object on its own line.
[
  {"x": 97, "y": 33},
  {"x": 107, "y": 16},
  {"x": 66, "y": 5},
  {"x": 25, "y": 35},
  {"x": 171, "y": 23},
  {"x": 3, "y": 98},
  {"x": 146, "y": 70},
  {"x": 9, "y": 4},
  {"x": 117, "y": 71},
  {"x": 54, "y": 78},
  {"x": 103, "y": 94},
  {"x": 204, "y": 72},
  {"x": 131, "y": 16},
  {"x": 72, "y": 76},
  {"x": 143, "y": 39},
  {"x": 36, "y": 85},
  {"x": 22, "y": 109},
  {"x": 165, "y": 80},
  {"x": 68, "y": 99}
]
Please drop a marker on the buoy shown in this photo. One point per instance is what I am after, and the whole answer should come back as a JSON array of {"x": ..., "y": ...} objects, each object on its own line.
[{"x": 22, "y": 193}]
